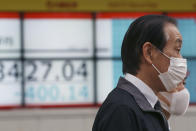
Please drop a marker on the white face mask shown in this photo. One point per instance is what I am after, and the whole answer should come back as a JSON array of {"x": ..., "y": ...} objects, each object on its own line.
[
  {"x": 176, "y": 72},
  {"x": 179, "y": 102}
]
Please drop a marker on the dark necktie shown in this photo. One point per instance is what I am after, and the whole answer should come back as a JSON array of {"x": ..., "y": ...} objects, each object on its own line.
[{"x": 157, "y": 106}]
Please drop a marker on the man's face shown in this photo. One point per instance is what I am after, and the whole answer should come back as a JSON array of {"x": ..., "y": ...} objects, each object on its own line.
[{"x": 171, "y": 49}]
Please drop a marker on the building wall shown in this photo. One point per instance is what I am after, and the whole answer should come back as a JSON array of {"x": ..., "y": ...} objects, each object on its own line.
[{"x": 72, "y": 119}]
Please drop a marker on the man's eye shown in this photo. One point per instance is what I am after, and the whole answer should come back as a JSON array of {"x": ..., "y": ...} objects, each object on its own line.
[{"x": 184, "y": 82}]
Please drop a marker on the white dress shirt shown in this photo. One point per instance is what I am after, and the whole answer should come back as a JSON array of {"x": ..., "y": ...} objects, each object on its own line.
[{"x": 144, "y": 89}]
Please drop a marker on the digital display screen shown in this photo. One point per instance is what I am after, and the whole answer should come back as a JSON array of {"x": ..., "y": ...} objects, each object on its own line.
[
  {"x": 10, "y": 64},
  {"x": 71, "y": 59},
  {"x": 58, "y": 52},
  {"x": 58, "y": 35},
  {"x": 57, "y": 57},
  {"x": 59, "y": 82}
]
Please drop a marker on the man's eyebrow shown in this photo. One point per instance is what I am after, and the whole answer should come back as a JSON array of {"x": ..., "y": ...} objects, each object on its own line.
[{"x": 179, "y": 41}]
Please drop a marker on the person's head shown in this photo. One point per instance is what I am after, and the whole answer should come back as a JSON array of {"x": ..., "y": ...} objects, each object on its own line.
[{"x": 145, "y": 38}]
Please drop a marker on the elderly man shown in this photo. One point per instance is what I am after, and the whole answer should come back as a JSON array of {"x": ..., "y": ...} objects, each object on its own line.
[{"x": 152, "y": 63}]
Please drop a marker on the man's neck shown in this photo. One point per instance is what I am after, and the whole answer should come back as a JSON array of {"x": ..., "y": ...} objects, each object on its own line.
[{"x": 148, "y": 81}]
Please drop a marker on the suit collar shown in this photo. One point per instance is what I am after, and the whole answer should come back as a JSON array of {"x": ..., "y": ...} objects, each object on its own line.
[{"x": 134, "y": 91}]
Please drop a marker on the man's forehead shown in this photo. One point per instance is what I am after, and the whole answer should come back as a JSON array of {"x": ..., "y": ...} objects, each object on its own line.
[{"x": 172, "y": 33}]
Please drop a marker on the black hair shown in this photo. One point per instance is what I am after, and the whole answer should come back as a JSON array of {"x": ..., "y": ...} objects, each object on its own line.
[{"x": 148, "y": 28}]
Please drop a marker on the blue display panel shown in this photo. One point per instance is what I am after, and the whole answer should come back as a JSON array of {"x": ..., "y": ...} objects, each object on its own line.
[
  {"x": 191, "y": 80},
  {"x": 119, "y": 28},
  {"x": 187, "y": 27}
]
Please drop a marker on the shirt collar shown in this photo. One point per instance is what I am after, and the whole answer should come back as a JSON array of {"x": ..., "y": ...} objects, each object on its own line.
[{"x": 143, "y": 88}]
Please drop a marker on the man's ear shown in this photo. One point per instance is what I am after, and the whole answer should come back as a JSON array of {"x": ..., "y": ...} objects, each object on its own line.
[{"x": 147, "y": 50}]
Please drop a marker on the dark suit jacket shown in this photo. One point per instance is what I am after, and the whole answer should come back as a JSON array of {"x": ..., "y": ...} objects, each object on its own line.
[{"x": 126, "y": 109}]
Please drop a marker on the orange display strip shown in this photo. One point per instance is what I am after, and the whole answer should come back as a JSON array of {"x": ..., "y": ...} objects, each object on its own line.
[
  {"x": 9, "y": 15},
  {"x": 57, "y": 15},
  {"x": 123, "y": 15},
  {"x": 182, "y": 15}
]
